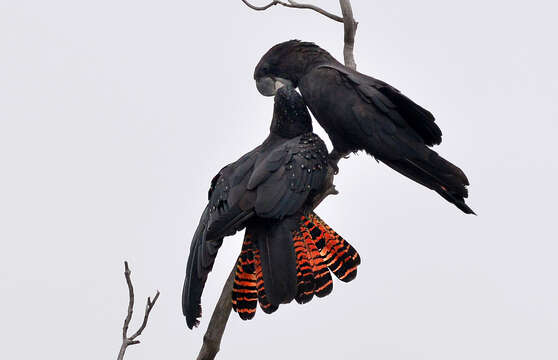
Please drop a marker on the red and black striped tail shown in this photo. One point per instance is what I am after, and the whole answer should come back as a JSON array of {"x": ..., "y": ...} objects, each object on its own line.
[
  {"x": 318, "y": 249},
  {"x": 313, "y": 275},
  {"x": 245, "y": 290},
  {"x": 339, "y": 256},
  {"x": 304, "y": 269},
  {"x": 266, "y": 306},
  {"x": 322, "y": 277}
]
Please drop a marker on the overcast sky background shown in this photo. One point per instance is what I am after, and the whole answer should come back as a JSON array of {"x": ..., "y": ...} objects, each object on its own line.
[{"x": 115, "y": 115}]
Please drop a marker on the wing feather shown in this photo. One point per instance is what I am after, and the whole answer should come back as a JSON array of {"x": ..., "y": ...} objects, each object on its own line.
[{"x": 392, "y": 103}]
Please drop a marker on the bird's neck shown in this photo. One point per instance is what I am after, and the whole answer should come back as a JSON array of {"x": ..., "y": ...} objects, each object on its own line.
[
  {"x": 283, "y": 133},
  {"x": 287, "y": 128}
]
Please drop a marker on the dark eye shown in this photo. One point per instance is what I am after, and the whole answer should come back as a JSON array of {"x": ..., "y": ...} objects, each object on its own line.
[{"x": 265, "y": 68}]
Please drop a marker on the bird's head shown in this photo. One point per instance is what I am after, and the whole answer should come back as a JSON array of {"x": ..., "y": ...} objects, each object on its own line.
[
  {"x": 285, "y": 64},
  {"x": 290, "y": 115}
]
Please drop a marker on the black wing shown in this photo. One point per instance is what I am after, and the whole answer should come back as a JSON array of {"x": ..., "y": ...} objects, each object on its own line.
[
  {"x": 222, "y": 216},
  {"x": 392, "y": 103}
]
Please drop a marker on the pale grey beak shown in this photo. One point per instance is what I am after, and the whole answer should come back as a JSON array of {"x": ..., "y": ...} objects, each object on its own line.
[{"x": 268, "y": 86}]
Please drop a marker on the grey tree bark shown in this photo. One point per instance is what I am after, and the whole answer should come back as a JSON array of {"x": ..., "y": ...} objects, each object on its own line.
[
  {"x": 350, "y": 26},
  {"x": 217, "y": 324}
]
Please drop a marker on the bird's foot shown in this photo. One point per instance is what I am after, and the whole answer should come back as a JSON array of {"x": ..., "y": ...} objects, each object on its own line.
[
  {"x": 334, "y": 158},
  {"x": 333, "y": 164}
]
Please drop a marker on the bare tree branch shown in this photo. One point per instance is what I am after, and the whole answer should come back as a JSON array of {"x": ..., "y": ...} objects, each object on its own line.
[
  {"x": 127, "y": 273},
  {"x": 218, "y": 322},
  {"x": 294, "y": 5},
  {"x": 222, "y": 311},
  {"x": 347, "y": 19},
  {"x": 148, "y": 307},
  {"x": 261, "y": 8},
  {"x": 350, "y": 31},
  {"x": 127, "y": 341}
]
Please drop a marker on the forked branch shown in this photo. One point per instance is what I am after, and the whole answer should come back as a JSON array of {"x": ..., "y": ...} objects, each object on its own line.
[
  {"x": 295, "y": 5},
  {"x": 348, "y": 20},
  {"x": 132, "y": 340}
]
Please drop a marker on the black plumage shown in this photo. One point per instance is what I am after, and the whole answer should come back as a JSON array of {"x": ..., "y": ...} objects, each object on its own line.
[
  {"x": 362, "y": 113},
  {"x": 266, "y": 191}
]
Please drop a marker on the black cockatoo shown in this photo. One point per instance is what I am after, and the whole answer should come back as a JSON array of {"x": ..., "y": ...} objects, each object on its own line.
[
  {"x": 287, "y": 249},
  {"x": 359, "y": 112}
]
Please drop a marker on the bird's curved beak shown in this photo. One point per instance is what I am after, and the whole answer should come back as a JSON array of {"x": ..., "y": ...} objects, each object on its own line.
[{"x": 268, "y": 86}]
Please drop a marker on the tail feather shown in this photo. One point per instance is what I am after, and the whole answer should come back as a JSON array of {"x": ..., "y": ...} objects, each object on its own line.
[
  {"x": 341, "y": 258},
  {"x": 438, "y": 174},
  {"x": 322, "y": 277},
  {"x": 245, "y": 292},
  {"x": 305, "y": 275},
  {"x": 265, "y": 305},
  {"x": 275, "y": 244}
]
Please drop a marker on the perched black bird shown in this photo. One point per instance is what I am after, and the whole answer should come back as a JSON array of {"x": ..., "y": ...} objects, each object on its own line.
[
  {"x": 362, "y": 113},
  {"x": 287, "y": 248}
]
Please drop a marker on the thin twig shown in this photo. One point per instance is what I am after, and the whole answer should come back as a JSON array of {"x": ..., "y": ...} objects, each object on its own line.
[
  {"x": 295, "y": 5},
  {"x": 148, "y": 308},
  {"x": 127, "y": 273},
  {"x": 222, "y": 311},
  {"x": 127, "y": 341},
  {"x": 261, "y": 8}
]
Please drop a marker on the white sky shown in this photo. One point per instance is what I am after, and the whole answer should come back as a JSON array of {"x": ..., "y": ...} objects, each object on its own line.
[{"x": 115, "y": 115}]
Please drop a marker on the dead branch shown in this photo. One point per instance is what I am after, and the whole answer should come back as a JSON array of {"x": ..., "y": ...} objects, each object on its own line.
[
  {"x": 127, "y": 341},
  {"x": 221, "y": 313},
  {"x": 295, "y": 5},
  {"x": 350, "y": 26},
  {"x": 218, "y": 322}
]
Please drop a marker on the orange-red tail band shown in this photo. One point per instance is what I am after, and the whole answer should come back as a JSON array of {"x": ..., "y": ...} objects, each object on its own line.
[
  {"x": 318, "y": 249},
  {"x": 245, "y": 292},
  {"x": 341, "y": 258}
]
